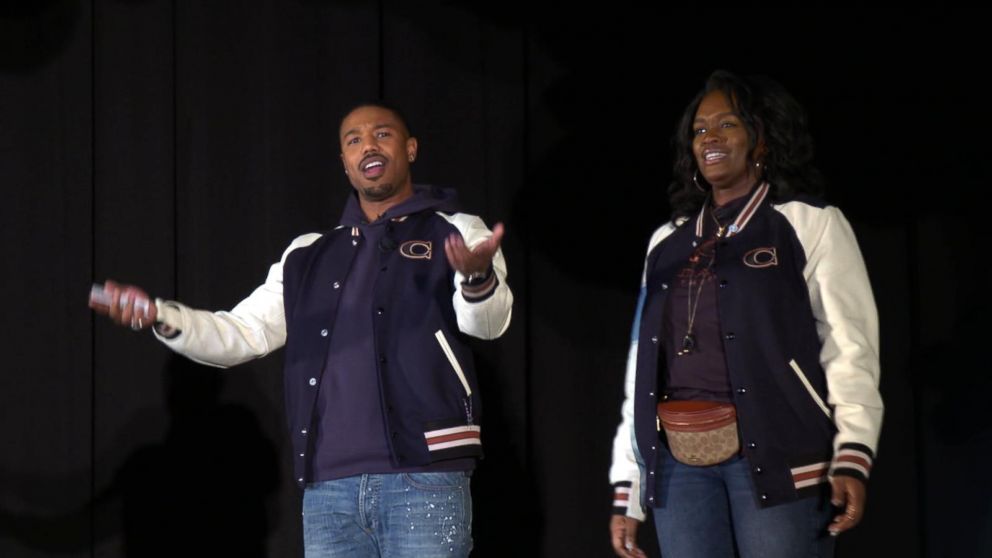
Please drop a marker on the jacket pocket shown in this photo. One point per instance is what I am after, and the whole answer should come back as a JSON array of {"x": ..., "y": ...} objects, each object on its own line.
[
  {"x": 446, "y": 348},
  {"x": 809, "y": 388}
]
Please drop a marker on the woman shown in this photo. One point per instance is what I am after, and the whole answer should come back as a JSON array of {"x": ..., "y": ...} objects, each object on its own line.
[{"x": 755, "y": 305}]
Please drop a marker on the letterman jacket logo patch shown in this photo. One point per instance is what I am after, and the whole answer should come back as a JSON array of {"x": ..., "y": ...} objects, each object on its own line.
[
  {"x": 761, "y": 257},
  {"x": 416, "y": 249}
]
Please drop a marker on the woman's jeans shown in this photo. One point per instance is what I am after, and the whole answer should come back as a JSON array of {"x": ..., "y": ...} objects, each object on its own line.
[{"x": 712, "y": 512}]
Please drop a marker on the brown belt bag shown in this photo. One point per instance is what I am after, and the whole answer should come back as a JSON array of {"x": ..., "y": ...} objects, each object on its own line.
[{"x": 699, "y": 432}]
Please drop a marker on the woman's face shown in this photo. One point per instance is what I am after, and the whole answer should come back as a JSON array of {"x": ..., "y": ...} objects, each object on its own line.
[{"x": 720, "y": 146}]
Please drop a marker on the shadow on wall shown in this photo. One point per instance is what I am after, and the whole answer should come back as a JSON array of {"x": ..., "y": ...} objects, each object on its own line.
[{"x": 207, "y": 485}]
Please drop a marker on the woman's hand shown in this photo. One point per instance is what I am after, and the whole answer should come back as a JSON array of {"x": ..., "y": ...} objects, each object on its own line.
[
  {"x": 850, "y": 494},
  {"x": 623, "y": 535}
]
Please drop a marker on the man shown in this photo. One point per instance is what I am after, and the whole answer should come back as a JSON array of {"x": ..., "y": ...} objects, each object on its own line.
[{"x": 380, "y": 388}]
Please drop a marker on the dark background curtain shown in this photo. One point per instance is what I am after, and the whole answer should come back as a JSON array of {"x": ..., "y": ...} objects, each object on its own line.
[{"x": 180, "y": 145}]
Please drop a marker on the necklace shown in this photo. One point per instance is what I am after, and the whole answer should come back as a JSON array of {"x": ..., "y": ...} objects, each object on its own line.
[
  {"x": 689, "y": 340},
  {"x": 719, "y": 227}
]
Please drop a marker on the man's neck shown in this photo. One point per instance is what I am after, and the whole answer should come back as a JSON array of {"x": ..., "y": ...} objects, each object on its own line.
[{"x": 373, "y": 209}]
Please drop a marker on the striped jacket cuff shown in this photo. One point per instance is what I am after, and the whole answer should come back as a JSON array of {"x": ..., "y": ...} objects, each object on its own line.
[
  {"x": 169, "y": 321},
  {"x": 621, "y": 497},
  {"x": 480, "y": 289},
  {"x": 853, "y": 460}
]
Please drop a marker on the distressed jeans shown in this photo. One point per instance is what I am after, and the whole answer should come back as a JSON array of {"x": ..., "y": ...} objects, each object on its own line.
[{"x": 394, "y": 515}]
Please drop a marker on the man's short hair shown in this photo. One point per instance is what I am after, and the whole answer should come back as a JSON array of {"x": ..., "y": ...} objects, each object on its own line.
[{"x": 378, "y": 103}]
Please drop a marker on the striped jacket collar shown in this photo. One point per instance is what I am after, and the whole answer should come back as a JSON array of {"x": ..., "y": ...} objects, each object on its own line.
[{"x": 758, "y": 196}]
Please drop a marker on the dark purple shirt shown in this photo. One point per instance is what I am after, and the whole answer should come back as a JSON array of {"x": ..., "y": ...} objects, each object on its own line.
[
  {"x": 351, "y": 426},
  {"x": 699, "y": 374}
]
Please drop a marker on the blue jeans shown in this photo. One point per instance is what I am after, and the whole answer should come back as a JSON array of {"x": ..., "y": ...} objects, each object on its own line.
[
  {"x": 708, "y": 512},
  {"x": 389, "y": 515}
]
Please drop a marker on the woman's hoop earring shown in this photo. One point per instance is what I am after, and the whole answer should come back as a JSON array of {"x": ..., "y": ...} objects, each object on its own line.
[{"x": 695, "y": 180}]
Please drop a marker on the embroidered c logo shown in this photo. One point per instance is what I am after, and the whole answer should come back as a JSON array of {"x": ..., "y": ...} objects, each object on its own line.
[
  {"x": 761, "y": 257},
  {"x": 416, "y": 249}
]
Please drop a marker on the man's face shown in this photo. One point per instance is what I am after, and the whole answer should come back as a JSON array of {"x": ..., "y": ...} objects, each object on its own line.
[{"x": 376, "y": 151}]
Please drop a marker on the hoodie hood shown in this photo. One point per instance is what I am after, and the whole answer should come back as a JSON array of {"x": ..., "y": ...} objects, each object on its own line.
[{"x": 424, "y": 197}]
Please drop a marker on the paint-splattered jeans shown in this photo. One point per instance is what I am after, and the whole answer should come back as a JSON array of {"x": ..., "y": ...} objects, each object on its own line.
[{"x": 415, "y": 515}]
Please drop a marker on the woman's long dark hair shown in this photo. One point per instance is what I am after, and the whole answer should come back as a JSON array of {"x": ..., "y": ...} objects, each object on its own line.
[{"x": 768, "y": 112}]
